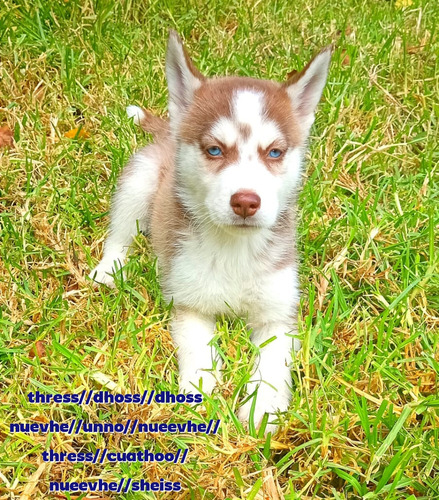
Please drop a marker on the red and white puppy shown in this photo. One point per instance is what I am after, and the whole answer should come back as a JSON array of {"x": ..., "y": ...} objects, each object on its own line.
[{"x": 216, "y": 192}]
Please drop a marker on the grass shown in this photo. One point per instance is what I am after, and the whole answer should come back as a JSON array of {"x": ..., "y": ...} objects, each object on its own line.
[{"x": 364, "y": 418}]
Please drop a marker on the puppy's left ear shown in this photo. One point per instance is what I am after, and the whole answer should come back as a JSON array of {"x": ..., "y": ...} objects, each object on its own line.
[
  {"x": 305, "y": 87},
  {"x": 183, "y": 78}
]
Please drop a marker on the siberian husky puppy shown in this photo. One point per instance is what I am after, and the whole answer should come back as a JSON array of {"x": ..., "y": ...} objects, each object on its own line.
[{"x": 216, "y": 192}]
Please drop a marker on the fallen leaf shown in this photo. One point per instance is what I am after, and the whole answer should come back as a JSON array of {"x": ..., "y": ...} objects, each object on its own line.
[
  {"x": 38, "y": 350},
  {"x": 415, "y": 49},
  {"x": 77, "y": 133},
  {"x": 6, "y": 137},
  {"x": 346, "y": 60},
  {"x": 41, "y": 418},
  {"x": 347, "y": 31}
]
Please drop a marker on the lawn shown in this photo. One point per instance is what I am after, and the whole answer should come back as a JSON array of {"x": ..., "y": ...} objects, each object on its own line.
[{"x": 364, "y": 416}]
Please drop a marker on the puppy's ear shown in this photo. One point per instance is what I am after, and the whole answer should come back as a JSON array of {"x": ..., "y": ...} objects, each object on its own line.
[
  {"x": 182, "y": 76},
  {"x": 305, "y": 87}
]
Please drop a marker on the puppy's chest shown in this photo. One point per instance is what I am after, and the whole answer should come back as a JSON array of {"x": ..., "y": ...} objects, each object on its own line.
[{"x": 218, "y": 278}]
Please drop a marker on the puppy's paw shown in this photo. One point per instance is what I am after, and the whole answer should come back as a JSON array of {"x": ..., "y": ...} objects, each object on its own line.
[
  {"x": 268, "y": 400},
  {"x": 101, "y": 276},
  {"x": 199, "y": 381},
  {"x": 244, "y": 417},
  {"x": 104, "y": 272}
]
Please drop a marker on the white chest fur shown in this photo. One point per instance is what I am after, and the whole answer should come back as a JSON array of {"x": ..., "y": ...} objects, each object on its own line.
[{"x": 217, "y": 273}]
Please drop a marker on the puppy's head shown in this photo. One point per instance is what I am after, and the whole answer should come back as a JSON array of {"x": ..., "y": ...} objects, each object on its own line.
[{"x": 239, "y": 140}]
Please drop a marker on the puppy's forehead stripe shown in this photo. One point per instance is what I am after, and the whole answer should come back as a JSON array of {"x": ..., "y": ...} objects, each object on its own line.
[
  {"x": 248, "y": 106},
  {"x": 245, "y": 131}
]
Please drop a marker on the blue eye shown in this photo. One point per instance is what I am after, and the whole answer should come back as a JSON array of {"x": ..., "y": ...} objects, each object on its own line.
[
  {"x": 275, "y": 153},
  {"x": 215, "y": 151}
]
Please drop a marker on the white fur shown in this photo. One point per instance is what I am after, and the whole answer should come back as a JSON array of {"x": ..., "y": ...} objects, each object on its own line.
[
  {"x": 248, "y": 107},
  {"x": 231, "y": 278},
  {"x": 248, "y": 110},
  {"x": 130, "y": 210},
  {"x": 233, "y": 272},
  {"x": 220, "y": 268},
  {"x": 198, "y": 362},
  {"x": 181, "y": 81},
  {"x": 136, "y": 113},
  {"x": 208, "y": 194},
  {"x": 306, "y": 93}
]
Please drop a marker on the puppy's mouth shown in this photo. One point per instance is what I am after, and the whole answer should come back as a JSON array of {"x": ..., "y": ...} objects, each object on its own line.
[
  {"x": 236, "y": 224},
  {"x": 243, "y": 225}
]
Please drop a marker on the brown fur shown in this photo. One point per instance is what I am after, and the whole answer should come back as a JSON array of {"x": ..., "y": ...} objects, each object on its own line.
[
  {"x": 169, "y": 219},
  {"x": 245, "y": 131},
  {"x": 230, "y": 155},
  {"x": 158, "y": 127},
  {"x": 213, "y": 100}
]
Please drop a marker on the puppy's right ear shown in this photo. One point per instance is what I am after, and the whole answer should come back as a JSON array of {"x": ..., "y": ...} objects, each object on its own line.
[{"x": 182, "y": 76}]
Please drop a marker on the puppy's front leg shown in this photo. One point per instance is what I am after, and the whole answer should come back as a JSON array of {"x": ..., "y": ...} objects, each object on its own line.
[
  {"x": 198, "y": 361},
  {"x": 129, "y": 211},
  {"x": 270, "y": 382}
]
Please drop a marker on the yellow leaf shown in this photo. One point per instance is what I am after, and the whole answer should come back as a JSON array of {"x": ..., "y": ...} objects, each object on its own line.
[
  {"x": 6, "y": 137},
  {"x": 77, "y": 133},
  {"x": 402, "y": 4}
]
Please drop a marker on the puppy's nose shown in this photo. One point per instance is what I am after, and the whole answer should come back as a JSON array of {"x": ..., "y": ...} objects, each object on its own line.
[{"x": 245, "y": 203}]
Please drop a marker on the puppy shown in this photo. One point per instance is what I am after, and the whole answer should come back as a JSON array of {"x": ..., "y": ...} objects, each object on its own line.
[{"x": 216, "y": 192}]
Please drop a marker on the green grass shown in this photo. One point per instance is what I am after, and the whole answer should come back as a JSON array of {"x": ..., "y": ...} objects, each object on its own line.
[{"x": 364, "y": 418}]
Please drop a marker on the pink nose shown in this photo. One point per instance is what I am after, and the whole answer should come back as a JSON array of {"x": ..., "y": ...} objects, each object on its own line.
[{"x": 245, "y": 203}]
